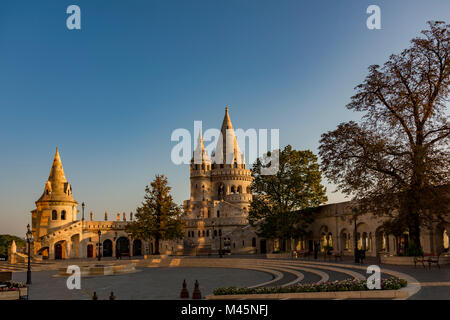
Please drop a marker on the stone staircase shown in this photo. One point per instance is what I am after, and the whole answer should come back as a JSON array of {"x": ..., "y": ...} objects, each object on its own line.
[
  {"x": 23, "y": 266},
  {"x": 199, "y": 250}
]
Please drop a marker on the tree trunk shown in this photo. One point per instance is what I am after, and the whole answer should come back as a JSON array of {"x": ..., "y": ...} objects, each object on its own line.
[
  {"x": 157, "y": 246},
  {"x": 414, "y": 232},
  {"x": 283, "y": 245}
]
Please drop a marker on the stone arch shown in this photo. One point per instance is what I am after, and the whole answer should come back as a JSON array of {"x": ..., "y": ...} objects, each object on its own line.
[
  {"x": 60, "y": 250},
  {"x": 345, "y": 240},
  {"x": 364, "y": 240},
  {"x": 122, "y": 246},
  {"x": 220, "y": 191},
  {"x": 329, "y": 239},
  {"x": 323, "y": 232},
  {"x": 446, "y": 240},
  {"x": 362, "y": 231},
  {"x": 44, "y": 252},
  {"x": 381, "y": 240},
  {"x": 107, "y": 248},
  {"x": 75, "y": 246},
  {"x": 239, "y": 189},
  {"x": 54, "y": 215},
  {"x": 90, "y": 250},
  {"x": 233, "y": 190},
  {"x": 442, "y": 238},
  {"x": 137, "y": 247}
]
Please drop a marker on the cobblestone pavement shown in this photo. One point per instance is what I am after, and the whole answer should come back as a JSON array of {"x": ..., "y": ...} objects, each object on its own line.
[
  {"x": 165, "y": 283},
  {"x": 147, "y": 283}
]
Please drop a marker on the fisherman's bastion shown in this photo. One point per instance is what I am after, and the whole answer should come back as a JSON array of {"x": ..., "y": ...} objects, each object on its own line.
[{"x": 215, "y": 216}]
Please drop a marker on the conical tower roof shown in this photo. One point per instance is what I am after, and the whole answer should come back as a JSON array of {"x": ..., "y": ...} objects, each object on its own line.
[
  {"x": 200, "y": 153},
  {"x": 57, "y": 188},
  {"x": 57, "y": 172},
  {"x": 227, "y": 141}
]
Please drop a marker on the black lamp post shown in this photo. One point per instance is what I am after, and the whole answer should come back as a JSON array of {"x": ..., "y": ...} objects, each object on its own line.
[
  {"x": 220, "y": 243},
  {"x": 355, "y": 236},
  {"x": 82, "y": 210},
  {"x": 29, "y": 236},
  {"x": 99, "y": 255}
]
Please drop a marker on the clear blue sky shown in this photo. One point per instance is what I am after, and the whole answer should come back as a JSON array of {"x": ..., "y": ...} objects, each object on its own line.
[{"x": 110, "y": 95}]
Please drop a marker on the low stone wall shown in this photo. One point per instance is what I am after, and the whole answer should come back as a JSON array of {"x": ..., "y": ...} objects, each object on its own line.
[
  {"x": 409, "y": 261},
  {"x": 102, "y": 270},
  {"x": 283, "y": 255},
  {"x": 13, "y": 295}
]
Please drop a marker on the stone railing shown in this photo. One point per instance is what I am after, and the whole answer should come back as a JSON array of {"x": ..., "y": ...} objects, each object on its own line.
[
  {"x": 91, "y": 225},
  {"x": 217, "y": 222},
  {"x": 238, "y": 197}
]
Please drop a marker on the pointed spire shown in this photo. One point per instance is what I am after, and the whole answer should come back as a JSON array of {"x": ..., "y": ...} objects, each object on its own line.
[
  {"x": 200, "y": 143},
  {"x": 57, "y": 171},
  {"x": 200, "y": 153},
  {"x": 57, "y": 188},
  {"x": 227, "y": 139},
  {"x": 226, "y": 124}
]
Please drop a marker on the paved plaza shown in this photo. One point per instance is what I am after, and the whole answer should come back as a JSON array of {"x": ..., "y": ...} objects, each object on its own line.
[
  {"x": 147, "y": 283},
  {"x": 158, "y": 281}
]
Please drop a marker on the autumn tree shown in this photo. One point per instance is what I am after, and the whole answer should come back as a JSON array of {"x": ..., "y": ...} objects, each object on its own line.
[
  {"x": 281, "y": 202},
  {"x": 158, "y": 217},
  {"x": 396, "y": 160}
]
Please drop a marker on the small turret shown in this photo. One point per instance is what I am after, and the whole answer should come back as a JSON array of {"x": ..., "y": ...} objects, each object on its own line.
[
  {"x": 56, "y": 207},
  {"x": 200, "y": 159}
]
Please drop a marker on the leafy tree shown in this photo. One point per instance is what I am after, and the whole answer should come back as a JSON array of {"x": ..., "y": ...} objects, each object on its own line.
[
  {"x": 6, "y": 241},
  {"x": 281, "y": 202},
  {"x": 396, "y": 160},
  {"x": 158, "y": 217}
]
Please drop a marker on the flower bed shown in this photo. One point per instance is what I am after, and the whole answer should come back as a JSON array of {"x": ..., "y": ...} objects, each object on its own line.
[
  {"x": 345, "y": 285},
  {"x": 11, "y": 286}
]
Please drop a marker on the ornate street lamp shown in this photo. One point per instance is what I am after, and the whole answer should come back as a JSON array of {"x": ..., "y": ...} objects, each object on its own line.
[
  {"x": 99, "y": 255},
  {"x": 29, "y": 236},
  {"x": 82, "y": 210}
]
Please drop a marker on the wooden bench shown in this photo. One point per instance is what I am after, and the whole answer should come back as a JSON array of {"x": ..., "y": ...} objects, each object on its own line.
[
  {"x": 336, "y": 254},
  {"x": 429, "y": 258},
  {"x": 125, "y": 254},
  {"x": 300, "y": 253}
]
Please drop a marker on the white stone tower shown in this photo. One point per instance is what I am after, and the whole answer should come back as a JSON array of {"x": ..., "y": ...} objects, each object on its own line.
[
  {"x": 220, "y": 191},
  {"x": 56, "y": 207}
]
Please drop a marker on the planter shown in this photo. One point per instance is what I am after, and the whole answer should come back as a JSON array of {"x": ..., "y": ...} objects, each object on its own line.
[
  {"x": 9, "y": 295},
  {"x": 370, "y": 294}
]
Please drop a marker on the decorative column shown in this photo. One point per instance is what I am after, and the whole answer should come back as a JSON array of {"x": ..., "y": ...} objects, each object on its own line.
[
  {"x": 51, "y": 251},
  {"x": 131, "y": 245},
  {"x": 114, "y": 248},
  {"x": 68, "y": 249}
]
